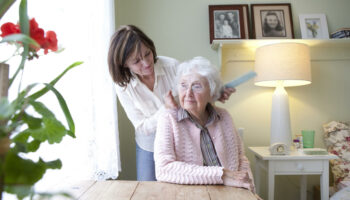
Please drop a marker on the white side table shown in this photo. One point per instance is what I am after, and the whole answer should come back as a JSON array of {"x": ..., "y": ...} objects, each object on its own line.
[{"x": 294, "y": 164}]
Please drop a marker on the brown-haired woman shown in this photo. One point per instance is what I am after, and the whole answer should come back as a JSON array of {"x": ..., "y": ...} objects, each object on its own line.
[{"x": 143, "y": 80}]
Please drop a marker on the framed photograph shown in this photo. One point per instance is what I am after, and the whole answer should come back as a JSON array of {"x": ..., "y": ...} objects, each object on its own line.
[
  {"x": 313, "y": 26},
  {"x": 272, "y": 21},
  {"x": 228, "y": 22}
]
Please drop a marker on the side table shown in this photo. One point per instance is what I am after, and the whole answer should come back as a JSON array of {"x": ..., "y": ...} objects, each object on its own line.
[{"x": 296, "y": 163}]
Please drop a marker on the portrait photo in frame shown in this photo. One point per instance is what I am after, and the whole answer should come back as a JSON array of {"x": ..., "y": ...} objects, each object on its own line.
[
  {"x": 313, "y": 26},
  {"x": 228, "y": 22},
  {"x": 272, "y": 21}
]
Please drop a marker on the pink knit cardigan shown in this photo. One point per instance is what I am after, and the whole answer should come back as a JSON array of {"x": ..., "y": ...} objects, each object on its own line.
[{"x": 178, "y": 157}]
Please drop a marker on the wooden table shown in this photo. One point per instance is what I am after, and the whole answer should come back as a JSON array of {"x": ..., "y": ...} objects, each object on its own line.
[{"x": 105, "y": 190}]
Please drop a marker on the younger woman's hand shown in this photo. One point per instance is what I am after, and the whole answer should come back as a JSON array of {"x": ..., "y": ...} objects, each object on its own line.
[
  {"x": 226, "y": 93},
  {"x": 170, "y": 101}
]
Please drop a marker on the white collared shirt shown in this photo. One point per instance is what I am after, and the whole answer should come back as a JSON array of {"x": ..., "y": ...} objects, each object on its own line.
[{"x": 143, "y": 106}]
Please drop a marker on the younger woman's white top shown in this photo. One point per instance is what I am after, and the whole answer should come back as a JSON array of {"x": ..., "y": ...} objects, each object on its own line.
[{"x": 143, "y": 106}]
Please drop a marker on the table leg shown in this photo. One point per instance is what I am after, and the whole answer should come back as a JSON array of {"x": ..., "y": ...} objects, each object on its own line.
[
  {"x": 271, "y": 180},
  {"x": 325, "y": 181},
  {"x": 303, "y": 187},
  {"x": 257, "y": 175}
]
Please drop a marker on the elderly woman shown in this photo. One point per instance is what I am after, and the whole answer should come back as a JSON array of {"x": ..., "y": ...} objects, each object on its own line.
[{"x": 198, "y": 143}]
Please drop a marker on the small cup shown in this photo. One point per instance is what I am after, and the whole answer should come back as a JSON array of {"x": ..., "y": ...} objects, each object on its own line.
[{"x": 308, "y": 138}]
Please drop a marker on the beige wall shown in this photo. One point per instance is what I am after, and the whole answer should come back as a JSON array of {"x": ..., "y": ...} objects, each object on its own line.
[{"x": 180, "y": 29}]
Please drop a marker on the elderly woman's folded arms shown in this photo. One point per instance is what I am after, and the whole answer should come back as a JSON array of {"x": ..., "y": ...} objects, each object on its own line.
[{"x": 198, "y": 143}]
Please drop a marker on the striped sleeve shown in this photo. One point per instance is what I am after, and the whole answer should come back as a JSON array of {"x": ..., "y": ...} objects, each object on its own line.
[{"x": 243, "y": 162}]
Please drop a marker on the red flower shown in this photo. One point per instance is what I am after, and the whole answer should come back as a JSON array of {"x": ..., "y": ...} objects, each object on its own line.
[
  {"x": 9, "y": 29},
  {"x": 36, "y": 33},
  {"x": 50, "y": 42}
]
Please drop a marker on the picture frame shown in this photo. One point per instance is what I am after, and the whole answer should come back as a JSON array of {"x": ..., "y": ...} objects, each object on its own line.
[
  {"x": 272, "y": 21},
  {"x": 313, "y": 26},
  {"x": 228, "y": 22}
]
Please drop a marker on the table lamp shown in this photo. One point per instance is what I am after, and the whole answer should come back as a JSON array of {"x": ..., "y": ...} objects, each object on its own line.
[{"x": 282, "y": 65}]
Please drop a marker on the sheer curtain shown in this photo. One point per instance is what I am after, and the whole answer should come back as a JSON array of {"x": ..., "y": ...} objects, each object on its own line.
[{"x": 83, "y": 29}]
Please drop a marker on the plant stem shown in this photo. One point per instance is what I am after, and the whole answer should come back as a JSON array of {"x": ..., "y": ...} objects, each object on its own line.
[
  {"x": 3, "y": 143},
  {"x": 20, "y": 81},
  {"x": 4, "y": 148},
  {"x": 21, "y": 65},
  {"x": 2, "y": 177},
  {"x": 4, "y": 6}
]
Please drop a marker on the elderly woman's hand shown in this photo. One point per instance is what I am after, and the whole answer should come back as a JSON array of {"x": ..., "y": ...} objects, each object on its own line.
[
  {"x": 238, "y": 175},
  {"x": 170, "y": 101},
  {"x": 226, "y": 93},
  {"x": 237, "y": 179}
]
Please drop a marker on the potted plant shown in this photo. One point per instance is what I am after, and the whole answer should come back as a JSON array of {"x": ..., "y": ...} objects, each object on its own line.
[{"x": 22, "y": 130}]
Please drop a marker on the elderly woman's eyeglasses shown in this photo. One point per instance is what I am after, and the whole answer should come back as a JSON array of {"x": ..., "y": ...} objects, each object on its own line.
[{"x": 195, "y": 87}]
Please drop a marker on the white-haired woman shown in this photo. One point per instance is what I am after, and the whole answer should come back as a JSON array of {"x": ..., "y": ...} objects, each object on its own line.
[{"x": 198, "y": 143}]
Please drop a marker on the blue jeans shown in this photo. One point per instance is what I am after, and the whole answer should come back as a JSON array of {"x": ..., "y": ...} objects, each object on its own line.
[{"x": 145, "y": 165}]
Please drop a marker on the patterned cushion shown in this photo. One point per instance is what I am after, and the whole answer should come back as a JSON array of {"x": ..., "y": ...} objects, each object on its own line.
[{"x": 337, "y": 140}]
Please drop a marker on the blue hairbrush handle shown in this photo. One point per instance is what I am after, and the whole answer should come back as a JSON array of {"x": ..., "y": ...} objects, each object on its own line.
[{"x": 234, "y": 83}]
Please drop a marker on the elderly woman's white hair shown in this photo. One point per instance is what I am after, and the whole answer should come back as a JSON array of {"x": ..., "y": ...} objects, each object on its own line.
[{"x": 203, "y": 67}]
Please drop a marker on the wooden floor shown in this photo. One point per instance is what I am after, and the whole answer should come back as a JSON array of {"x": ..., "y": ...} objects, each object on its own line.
[{"x": 95, "y": 190}]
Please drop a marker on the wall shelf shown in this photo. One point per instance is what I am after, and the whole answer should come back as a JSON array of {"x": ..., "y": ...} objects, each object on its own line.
[
  {"x": 244, "y": 50},
  {"x": 255, "y": 43}
]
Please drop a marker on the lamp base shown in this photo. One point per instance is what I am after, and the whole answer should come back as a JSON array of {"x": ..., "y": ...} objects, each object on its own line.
[{"x": 280, "y": 120}]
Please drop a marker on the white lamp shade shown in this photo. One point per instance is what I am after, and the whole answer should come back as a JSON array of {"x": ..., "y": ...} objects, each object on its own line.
[{"x": 289, "y": 62}]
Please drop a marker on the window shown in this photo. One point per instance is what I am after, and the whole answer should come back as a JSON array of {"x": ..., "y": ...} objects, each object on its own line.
[{"x": 83, "y": 29}]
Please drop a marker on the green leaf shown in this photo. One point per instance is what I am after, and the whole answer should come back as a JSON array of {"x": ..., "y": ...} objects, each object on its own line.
[
  {"x": 33, "y": 145},
  {"x": 23, "y": 17},
  {"x": 52, "y": 131},
  {"x": 22, "y": 174},
  {"x": 52, "y": 195},
  {"x": 65, "y": 110},
  {"x": 24, "y": 24},
  {"x": 50, "y": 128},
  {"x": 53, "y": 82},
  {"x": 42, "y": 109},
  {"x": 6, "y": 109},
  {"x": 20, "y": 38},
  {"x": 22, "y": 144},
  {"x": 14, "y": 125},
  {"x": 20, "y": 102},
  {"x": 21, "y": 147},
  {"x": 32, "y": 122},
  {"x": 20, "y": 171},
  {"x": 25, "y": 189},
  {"x": 55, "y": 164},
  {"x": 24, "y": 92},
  {"x": 20, "y": 190},
  {"x": 21, "y": 137}
]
